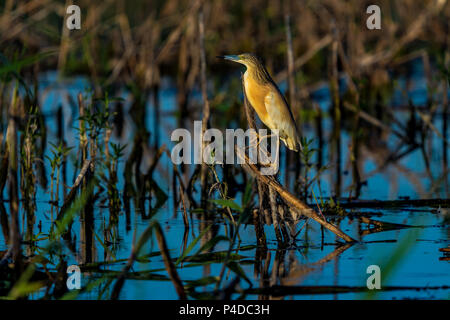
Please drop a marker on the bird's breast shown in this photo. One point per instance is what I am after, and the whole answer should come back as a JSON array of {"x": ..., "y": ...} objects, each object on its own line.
[{"x": 256, "y": 94}]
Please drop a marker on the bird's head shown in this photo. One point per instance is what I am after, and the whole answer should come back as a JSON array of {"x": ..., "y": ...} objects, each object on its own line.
[{"x": 250, "y": 60}]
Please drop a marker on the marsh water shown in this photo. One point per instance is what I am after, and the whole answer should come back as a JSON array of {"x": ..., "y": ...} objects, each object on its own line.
[{"x": 317, "y": 265}]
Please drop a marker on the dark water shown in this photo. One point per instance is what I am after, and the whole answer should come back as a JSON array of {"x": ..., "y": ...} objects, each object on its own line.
[{"x": 408, "y": 257}]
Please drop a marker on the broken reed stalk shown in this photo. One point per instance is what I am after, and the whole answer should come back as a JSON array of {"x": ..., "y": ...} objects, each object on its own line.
[
  {"x": 185, "y": 220},
  {"x": 185, "y": 217},
  {"x": 62, "y": 170},
  {"x": 181, "y": 181},
  {"x": 308, "y": 55},
  {"x": 170, "y": 267},
  {"x": 157, "y": 116},
  {"x": 175, "y": 35},
  {"x": 415, "y": 203},
  {"x": 445, "y": 107},
  {"x": 27, "y": 177},
  {"x": 297, "y": 205},
  {"x": 71, "y": 195},
  {"x": 290, "y": 60},
  {"x": 291, "y": 87},
  {"x": 134, "y": 254},
  {"x": 354, "y": 149},
  {"x": 383, "y": 57},
  {"x": 146, "y": 182},
  {"x": 82, "y": 127},
  {"x": 4, "y": 222},
  {"x": 382, "y": 224},
  {"x": 336, "y": 102},
  {"x": 445, "y": 112},
  {"x": 4, "y": 159},
  {"x": 206, "y": 111},
  {"x": 158, "y": 155},
  {"x": 178, "y": 175},
  {"x": 82, "y": 182},
  {"x": 11, "y": 146},
  {"x": 274, "y": 212},
  {"x": 286, "y": 290},
  {"x": 375, "y": 122},
  {"x": 319, "y": 130}
]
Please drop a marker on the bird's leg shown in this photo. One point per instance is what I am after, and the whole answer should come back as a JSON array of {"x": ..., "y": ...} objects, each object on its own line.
[
  {"x": 266, "y": 157},
  {"x": 261, "y": 138}
]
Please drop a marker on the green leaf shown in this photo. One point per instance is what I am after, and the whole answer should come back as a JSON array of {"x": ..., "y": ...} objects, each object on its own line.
[
  {"x": 236, "y": 268},
  {"x": 228, "y": 203},
  {"x": 16, "y": 66},
  {"x": 247, "y": 193},
  {"x": 211, "y": 243},
  {"x": 192, "y": 245}
]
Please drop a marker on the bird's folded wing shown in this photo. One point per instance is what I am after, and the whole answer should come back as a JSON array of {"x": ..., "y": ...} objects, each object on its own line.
[{"x": 280, "y": 116}]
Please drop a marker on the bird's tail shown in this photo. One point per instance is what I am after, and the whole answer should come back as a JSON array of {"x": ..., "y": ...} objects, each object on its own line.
[{"x": 292, "y": 144}]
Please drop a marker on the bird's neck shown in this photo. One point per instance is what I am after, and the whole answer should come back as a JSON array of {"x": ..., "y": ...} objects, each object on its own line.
[{"x": 258, "y": 74}]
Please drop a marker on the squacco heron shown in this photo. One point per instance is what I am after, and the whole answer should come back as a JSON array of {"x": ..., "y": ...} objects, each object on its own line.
[{"x": 267, "y": 100}]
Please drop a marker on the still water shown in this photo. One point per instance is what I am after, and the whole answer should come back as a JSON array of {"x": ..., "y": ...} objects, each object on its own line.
[{"x": 408, "y": 257}]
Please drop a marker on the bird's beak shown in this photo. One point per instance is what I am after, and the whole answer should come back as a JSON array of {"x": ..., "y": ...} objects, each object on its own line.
[{"x": 234, "y": 58}]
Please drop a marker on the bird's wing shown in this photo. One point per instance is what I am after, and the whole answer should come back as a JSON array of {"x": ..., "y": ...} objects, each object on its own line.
[{"x": 281, "y": 118}]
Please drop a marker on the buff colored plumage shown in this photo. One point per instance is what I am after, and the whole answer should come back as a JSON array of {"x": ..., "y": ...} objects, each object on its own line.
[{"x": 267, "y": 100}]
